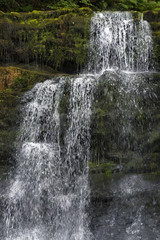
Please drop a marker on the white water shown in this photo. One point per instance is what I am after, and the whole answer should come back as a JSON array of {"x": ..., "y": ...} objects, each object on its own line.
[
  {"x": 119, "y": 42},
  {"x": 48, "y": 196},
  {"x": 120, "y": 51},
  {"x": 133, "y": 213}
]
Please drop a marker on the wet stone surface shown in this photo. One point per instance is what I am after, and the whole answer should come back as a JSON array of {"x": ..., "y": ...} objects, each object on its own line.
[{"x": 133, "y": 211}]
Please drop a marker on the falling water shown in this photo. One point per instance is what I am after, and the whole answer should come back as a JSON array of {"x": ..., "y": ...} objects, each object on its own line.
[
  {"x": 121, "y": 53},
  {"x": 49, "y": 193},
  {"x": 32, "y": 194},
  {"x": 119, "y": 42},
  {"x": 48, "y": 196},
  {"x": 121, "y": 49}
]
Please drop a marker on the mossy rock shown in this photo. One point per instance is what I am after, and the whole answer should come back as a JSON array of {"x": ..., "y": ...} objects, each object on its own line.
[
  {"x": 58, "y": 39},
  {"x": 112, "y": 111},
  {"x": 155, "y": 26},
  {"x": 152, "y": 16},
  {"x": 8, "y": 123},
  {"x": 20, "y": 79}
]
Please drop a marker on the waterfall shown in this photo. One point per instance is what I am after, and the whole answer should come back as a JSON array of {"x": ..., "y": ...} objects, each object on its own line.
[
  {"x": 49, "y": 193},
  {"x": 36, "y": 184},
  {"x": 119, "y": 42},
  {"x": 121, "y": 49},
  {"x": 121, "y": 56},
  {"x": 48, "y": 196}
]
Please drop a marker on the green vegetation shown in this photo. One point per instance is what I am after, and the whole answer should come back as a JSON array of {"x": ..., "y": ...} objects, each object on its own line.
[
  {"x": 101, "y": 168},
  {"x": 55, "y": 34},
  {"x": 138, "y": 5},
  {"x": 30, "y": 5},
  {"x": 58, "y": 39}
]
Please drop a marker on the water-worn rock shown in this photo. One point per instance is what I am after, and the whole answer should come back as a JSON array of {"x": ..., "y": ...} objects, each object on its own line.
[
  {"x": 125, "y": 206},
  {"x": 137, "y": 148}
]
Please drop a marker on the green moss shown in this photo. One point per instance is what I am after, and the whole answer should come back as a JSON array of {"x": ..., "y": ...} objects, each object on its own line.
[
  {"x": 138, "y": 5},
  {"x": 20, "y": 83},
  {"x": 2, "y": 14},
  {"x": 28, "y": 6},
  {"x": 136, "y": 15},
  {"x": 101, "y": 168},
  {"x": 154, "y": 136},
  {"x": 53, "y": 38},
  {"x": 15, "y": 14},
  {"x": 58, "y": 39}
]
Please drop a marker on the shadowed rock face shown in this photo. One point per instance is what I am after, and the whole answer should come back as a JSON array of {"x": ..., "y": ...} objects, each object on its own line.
[
  {"x": 153, "y": 17},
  {"x": 125, "y": 123},
  {"x": 126, "y": 207}
]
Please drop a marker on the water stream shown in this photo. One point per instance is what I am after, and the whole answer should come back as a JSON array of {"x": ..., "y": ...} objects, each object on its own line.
[
  {"x": 49, "y": 194},
  {"x": 118, "y": 41}
]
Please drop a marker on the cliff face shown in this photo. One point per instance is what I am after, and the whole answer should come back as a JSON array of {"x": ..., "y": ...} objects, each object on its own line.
[
  {"x": 57, "y": 39},
  {"x": 125, "y": 135},
  {"x": 153, "y": 17}
]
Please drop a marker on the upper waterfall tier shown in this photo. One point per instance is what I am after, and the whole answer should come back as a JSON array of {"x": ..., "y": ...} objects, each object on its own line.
[{"x": 120, "y": 42}]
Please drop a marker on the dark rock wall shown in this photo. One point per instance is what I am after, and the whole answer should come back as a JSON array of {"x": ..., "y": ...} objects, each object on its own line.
[
  {"x": 125, "y": 129},
  {"x": 153, "y": 17}
]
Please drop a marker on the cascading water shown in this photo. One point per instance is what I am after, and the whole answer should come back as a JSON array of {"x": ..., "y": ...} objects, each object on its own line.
[
  {"x": 48, "y": 196},
  {"x": 121, "y": 50},
  {"x": 119, "y": 42},
  {"x": 121, "y": 53},
  {"x": 33, "y": 193}
]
